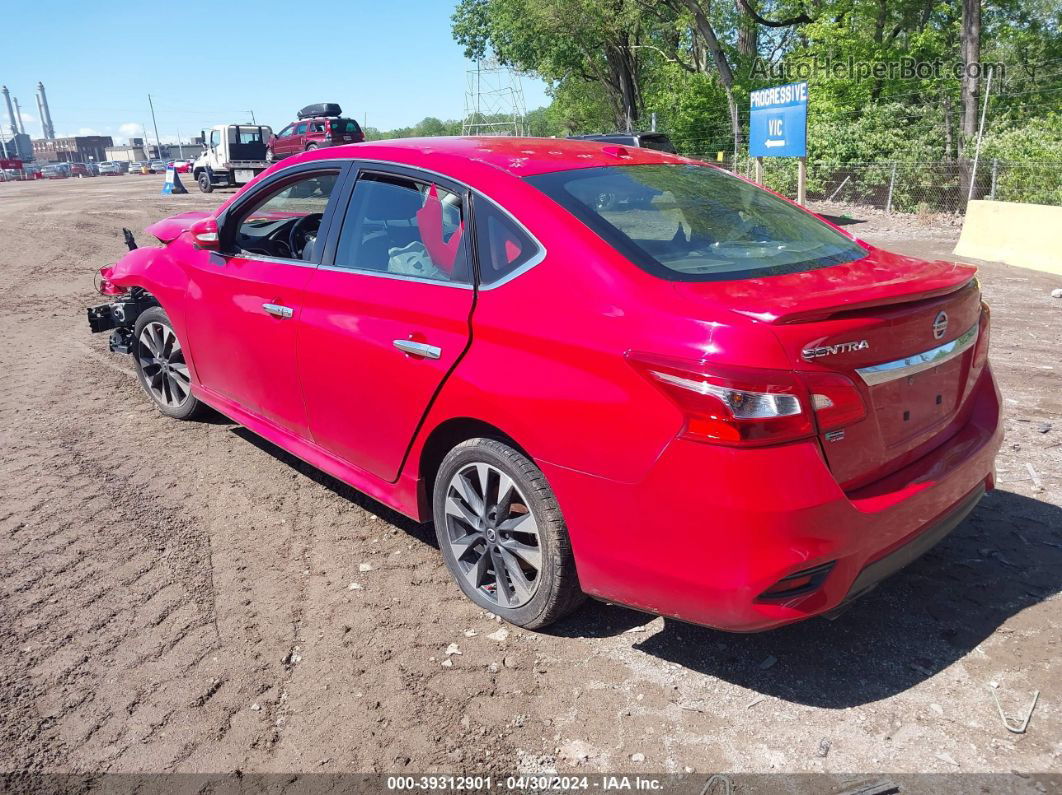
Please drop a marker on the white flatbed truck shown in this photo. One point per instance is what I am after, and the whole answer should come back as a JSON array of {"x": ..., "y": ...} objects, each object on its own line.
[{"x": 233, "y": 155}]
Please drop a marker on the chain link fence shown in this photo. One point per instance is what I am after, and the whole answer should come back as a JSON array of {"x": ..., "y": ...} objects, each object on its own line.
[{"x": 906, "y": 187}]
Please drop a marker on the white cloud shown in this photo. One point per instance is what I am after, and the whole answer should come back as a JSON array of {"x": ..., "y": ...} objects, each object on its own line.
[{"x": 131, "y": 130}]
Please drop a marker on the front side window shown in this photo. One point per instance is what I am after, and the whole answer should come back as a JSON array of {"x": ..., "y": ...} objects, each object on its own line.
[
  {"x": 404, "y": 227},
  {"x": 283, "y": 220},
  {"x": 286, "y": 131},
  {"x": 215, "y": 138},
  {"x": 696, "y": 223}
]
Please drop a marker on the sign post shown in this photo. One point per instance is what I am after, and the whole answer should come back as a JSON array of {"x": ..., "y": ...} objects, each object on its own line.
[{"x": 778, "y": 127}]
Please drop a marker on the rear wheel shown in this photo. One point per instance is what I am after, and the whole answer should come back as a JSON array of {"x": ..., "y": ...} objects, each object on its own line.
[
  {"x": 502, "y": 534},
  {"x": 311, "y": 147},
  {"x": 162, "y": 367},
  {"x": 205, "y": 184}
]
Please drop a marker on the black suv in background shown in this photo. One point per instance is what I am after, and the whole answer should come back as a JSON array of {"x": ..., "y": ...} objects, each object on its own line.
[{"x": 644, "y": 140}]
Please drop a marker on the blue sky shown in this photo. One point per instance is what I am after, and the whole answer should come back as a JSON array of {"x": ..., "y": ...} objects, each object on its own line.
[{"x": 392, "y": 62}]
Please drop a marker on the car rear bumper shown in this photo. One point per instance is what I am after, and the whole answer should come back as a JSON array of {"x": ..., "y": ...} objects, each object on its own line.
[{"x": 709, "y": 529}]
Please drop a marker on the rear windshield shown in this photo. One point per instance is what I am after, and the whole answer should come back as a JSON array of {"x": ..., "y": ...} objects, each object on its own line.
[
  {"x": 344, "y": 127},
  {"x": 696, "y": 223},
  {"x": 247, "y": 135}
]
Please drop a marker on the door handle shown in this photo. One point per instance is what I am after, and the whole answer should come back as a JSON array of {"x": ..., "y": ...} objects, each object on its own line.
[
  {"x": 418, "y": 349},
  {"x": 276, "y": 310}
]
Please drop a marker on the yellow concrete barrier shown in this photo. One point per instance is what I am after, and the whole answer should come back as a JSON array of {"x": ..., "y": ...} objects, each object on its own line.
[{"x": 1026, "y": 235}]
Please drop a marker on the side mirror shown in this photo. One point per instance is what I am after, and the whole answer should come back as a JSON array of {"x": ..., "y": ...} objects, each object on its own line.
[{"x": 205, "y": 234}]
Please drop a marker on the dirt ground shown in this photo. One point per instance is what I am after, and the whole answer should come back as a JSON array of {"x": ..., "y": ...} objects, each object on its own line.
[{"x": 178, "y": 596}]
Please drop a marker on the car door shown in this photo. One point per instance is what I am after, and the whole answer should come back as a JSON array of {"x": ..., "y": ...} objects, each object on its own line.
[
  {"x": 247, "y": 299},
  {"x": 282, "y": 142},
  {"x": 297, "y": 139},
  {"x": 386, "y": 316}
]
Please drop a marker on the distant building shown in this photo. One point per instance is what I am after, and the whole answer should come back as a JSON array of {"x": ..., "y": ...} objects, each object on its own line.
[
  {"x": 128, "y": 154},
  {"x": 136, "y": 151},
  {"x": 18, "y": 147},
  {"x": 77, "y": 149}
]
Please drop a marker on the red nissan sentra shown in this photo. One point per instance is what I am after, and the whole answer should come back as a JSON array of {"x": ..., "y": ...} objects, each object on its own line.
[{"x": 599, "y": 370}]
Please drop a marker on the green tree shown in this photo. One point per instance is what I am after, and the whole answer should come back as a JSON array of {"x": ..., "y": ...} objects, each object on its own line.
[{"x": 595, "y": 41}]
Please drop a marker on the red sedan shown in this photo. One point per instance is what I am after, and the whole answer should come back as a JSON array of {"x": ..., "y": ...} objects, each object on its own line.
[{"x": 599, "y": 370}]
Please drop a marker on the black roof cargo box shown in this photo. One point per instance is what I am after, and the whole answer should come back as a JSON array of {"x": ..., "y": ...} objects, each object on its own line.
[{"x": 320, "y": 109}]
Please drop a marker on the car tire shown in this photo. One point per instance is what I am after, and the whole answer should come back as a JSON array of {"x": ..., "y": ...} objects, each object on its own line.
[
  {"x": 161, "y": 366},
  {"x": 270, "y": 157},
  {"x": 521, "y": 529},
  {"x": 311, "y": 147},
  {"x": 205, "y": 184}
]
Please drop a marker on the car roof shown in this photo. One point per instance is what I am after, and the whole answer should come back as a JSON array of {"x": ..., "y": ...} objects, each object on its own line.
[{"x": 519, "y": 157}]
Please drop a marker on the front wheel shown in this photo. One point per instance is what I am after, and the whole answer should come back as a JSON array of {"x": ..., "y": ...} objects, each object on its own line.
[
  {"x": 205, "y": 184},
  {"x": 502, "y": 534},
  {"x": 162, "y": 367}
]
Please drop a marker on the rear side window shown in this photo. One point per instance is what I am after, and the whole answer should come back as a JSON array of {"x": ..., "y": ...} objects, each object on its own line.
[
  {"x": 300, "y": 129},
  {"x": 696, "y": 223},
  {"x": 502, "y": 246}
]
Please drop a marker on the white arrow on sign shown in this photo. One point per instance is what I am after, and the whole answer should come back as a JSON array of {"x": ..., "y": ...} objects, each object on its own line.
[{"x": 770, "y": 144}]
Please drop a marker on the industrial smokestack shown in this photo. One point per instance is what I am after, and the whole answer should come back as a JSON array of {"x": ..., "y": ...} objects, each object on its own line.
[
  {"x": 40, "y": 117},
  {"x": 46, "y": 115},
  {"x": 10, "y": 110},
  {"x": 18, "y": 117}
]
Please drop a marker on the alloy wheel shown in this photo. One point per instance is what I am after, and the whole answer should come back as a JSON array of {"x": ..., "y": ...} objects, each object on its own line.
[
  {"x": 162, "y": 362},
  {"x": 493, "y": 535}
]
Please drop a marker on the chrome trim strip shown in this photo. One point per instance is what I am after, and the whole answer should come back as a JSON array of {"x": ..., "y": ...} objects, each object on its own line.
[
  {"x": 919, "y": 362},
  {"x": 399, "y": 276},
  {"x": 298, "y": 263}
]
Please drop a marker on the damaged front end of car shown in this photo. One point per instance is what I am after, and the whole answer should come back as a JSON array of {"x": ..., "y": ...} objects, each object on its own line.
[{"x": 119, "y": 316}]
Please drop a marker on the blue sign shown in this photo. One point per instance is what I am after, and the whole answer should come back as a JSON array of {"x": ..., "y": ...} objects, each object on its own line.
[{"x": 779, "y": 123}]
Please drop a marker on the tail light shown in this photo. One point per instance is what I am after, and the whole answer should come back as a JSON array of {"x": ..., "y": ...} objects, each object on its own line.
[
  {"x": 984, "y": 331},
  {"x": 751, "y": 406},
  {"x": 730, "y": 405},
  {"x": 835, "y": 400}
]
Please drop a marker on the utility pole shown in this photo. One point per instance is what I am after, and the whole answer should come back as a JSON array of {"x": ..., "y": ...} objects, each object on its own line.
[
  {"x": 980, "y": 133},
  {"x": 158, "y": 143},
  {"x": 180, "y": 146},
  {"x": 255, "y": 123}
]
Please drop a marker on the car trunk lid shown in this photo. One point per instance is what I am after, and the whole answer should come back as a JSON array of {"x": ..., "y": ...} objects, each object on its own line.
[{"x": 902, "y": 330}]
